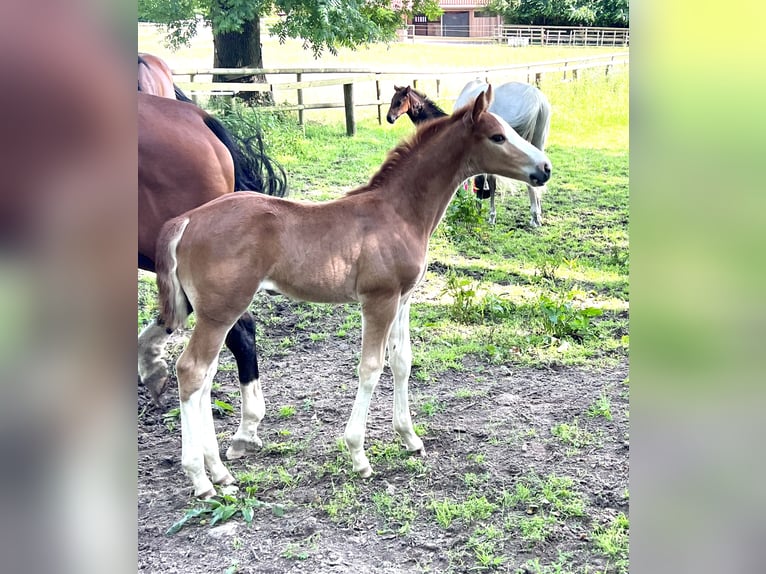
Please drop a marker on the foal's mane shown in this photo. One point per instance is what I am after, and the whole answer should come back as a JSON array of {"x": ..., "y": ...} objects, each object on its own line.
[
  {"x": 429, "y": 101},
  {"x": 399, "y": 155}
]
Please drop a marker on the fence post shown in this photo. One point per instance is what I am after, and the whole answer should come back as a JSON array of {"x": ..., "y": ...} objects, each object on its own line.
[
  {"x": 193, "y": 94},
  {"x": 348, "y": 101},
  {"x": 298, "y": 78},
  {"x": 377, "y": 91},
  {"x": 565, "y": 70},
  {"x": 438, "y": 88}
]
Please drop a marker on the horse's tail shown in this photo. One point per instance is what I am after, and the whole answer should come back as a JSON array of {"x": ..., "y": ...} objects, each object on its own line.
[
  {"x": 253, "y": 169},
  {"x": 174, "y": 305},
  {"x": 181, "y": 96},
  {"x": 542, "y": 123}
]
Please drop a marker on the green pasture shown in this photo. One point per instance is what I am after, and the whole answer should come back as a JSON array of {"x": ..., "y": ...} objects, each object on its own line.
[{"x": 504, "y": 293}]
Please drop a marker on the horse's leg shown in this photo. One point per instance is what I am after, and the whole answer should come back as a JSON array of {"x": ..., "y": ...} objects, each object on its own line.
[
  {"x": 377, "y": 316},
  {"x": 400, "y": 358},
  {"x": 535, "y": 205},
  {"x": 241, "y": 342},
  {"x": 195, "y": 369},
  {"x": 152, "y": 368},
  {"x": 492, "y": 182}
]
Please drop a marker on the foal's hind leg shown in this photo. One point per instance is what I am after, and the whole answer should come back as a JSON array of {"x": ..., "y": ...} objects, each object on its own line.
[
  {"x": 152, "y": 367},
  {"x": 241, "y": 342},
  {"x": 195, "y": 369},
  {"x": 400, "y": 358},
  {"x": 377, "y": 316},
  {"x": 535, "y": 205}
]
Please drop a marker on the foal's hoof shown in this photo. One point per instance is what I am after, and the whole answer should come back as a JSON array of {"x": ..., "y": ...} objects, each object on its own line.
[
  {"x": 240, "y": 447},
  {"x": 205, "y": 494},
  {"x": 225, "y": 480},
  {"x": 365, "y": 472}
]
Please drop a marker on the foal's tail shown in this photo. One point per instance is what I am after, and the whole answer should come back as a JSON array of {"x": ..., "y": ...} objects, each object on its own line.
[
  {"x": 173, "y": 303},
  {"x": 253, "y": 169}
]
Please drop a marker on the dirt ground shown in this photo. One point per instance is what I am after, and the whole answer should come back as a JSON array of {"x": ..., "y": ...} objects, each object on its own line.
[{"x": 486, "y": 429}]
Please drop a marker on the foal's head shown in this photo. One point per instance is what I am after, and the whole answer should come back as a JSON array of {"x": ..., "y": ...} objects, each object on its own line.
[
  {"x": 405, "y": 100},
  {"x": 400, "y": 103},
  {"x": 498, "y": 149}
]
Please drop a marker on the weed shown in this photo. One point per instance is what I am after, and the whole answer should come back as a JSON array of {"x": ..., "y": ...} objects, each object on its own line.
[
  {"x": 464, "y": 393},
  {"x": 171, "y": 417},
  {"x": 222, "y": 408},
  {"x": 477, "y": 458},
  {"x": 473, "y": 480},
  {"x": 464, "y": 212},
  {"x": 302, "y": 549},
  {"x": 286, "y": 411},
  {"x": 612, "y": 541},
  {"x": 474, "y": 508},
  {"x": 561, "y": 318},
  {"x": 397, "y": 511},
  {"x": 431, "y": 406},
  {"x": 343, "y": 503},
  {"x": 554, "y": 494},
  {"x": 573, "y": 435},
  {"x": 468, "y": 308},
  {"x": 213, "y": 511},
  {"x": 601, "y": 407},
  {"x": 535, "y": 529}
]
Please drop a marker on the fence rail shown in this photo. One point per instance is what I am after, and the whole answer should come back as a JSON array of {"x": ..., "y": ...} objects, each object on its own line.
[{"x": 447, "y": 82}]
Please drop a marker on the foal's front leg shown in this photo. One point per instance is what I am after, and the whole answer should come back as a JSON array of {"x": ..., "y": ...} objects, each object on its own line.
[
  {"x": 241, "y": 342},
  {"x": 377, "y": 316},
  {"x": 400, "y": 352}
]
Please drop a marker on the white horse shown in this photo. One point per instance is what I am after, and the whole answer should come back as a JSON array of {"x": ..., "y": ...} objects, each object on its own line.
[{"x": 528, "y": 112}]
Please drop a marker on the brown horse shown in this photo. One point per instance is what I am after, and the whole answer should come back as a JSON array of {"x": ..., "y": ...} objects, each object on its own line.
[
  {"x": 369, "y": 246},
  {"x": 187, "y": 158},
  {"x": 156, "y": 78},
  {"x": 418, "y": 107}
]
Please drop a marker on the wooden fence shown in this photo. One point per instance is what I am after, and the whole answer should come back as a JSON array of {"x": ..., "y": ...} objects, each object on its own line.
[
  {"x": 369, "y": 84},
  {"x": 515, "y": 35}
]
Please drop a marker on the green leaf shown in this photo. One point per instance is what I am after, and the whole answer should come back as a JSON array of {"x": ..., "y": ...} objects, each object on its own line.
[{"x": 193, "y": 513}]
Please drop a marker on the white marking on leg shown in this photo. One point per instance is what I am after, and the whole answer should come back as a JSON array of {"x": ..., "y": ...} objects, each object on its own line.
[
  {"x": 400, "y": 350},
  {"x": 218, "y": 471},
  {"x": 253, "y": 411},
  {"x": 370, "y": 369},
  {"x": 192, "y": 450}
]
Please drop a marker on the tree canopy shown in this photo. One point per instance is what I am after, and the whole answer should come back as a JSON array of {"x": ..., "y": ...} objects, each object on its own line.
[
  {"x": 563, "y": 12},
  {"x": 322, "y": 24}
]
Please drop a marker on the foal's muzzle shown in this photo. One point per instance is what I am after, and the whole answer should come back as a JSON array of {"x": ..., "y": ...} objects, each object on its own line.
[
  {"x": 389, "y": 119},
  {"x": 541, "y": 174}
]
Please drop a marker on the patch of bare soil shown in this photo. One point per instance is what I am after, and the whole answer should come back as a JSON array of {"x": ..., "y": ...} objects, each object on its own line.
[{"x": 487, "y": 429}]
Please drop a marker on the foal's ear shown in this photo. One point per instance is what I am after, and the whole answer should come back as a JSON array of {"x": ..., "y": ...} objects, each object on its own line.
[
  {"x": 397, "y": 88},
  {"x": 481, "y": 104}
]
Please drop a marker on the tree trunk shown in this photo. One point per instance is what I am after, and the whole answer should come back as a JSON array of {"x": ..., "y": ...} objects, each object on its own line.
[{"x": 242, "y": 50}]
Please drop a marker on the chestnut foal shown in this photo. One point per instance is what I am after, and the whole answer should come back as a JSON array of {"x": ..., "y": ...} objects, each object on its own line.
[{"x": 369, "y": 246}]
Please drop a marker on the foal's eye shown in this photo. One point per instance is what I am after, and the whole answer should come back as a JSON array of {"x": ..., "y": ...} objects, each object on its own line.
[{"x": 497, "y": 138}]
